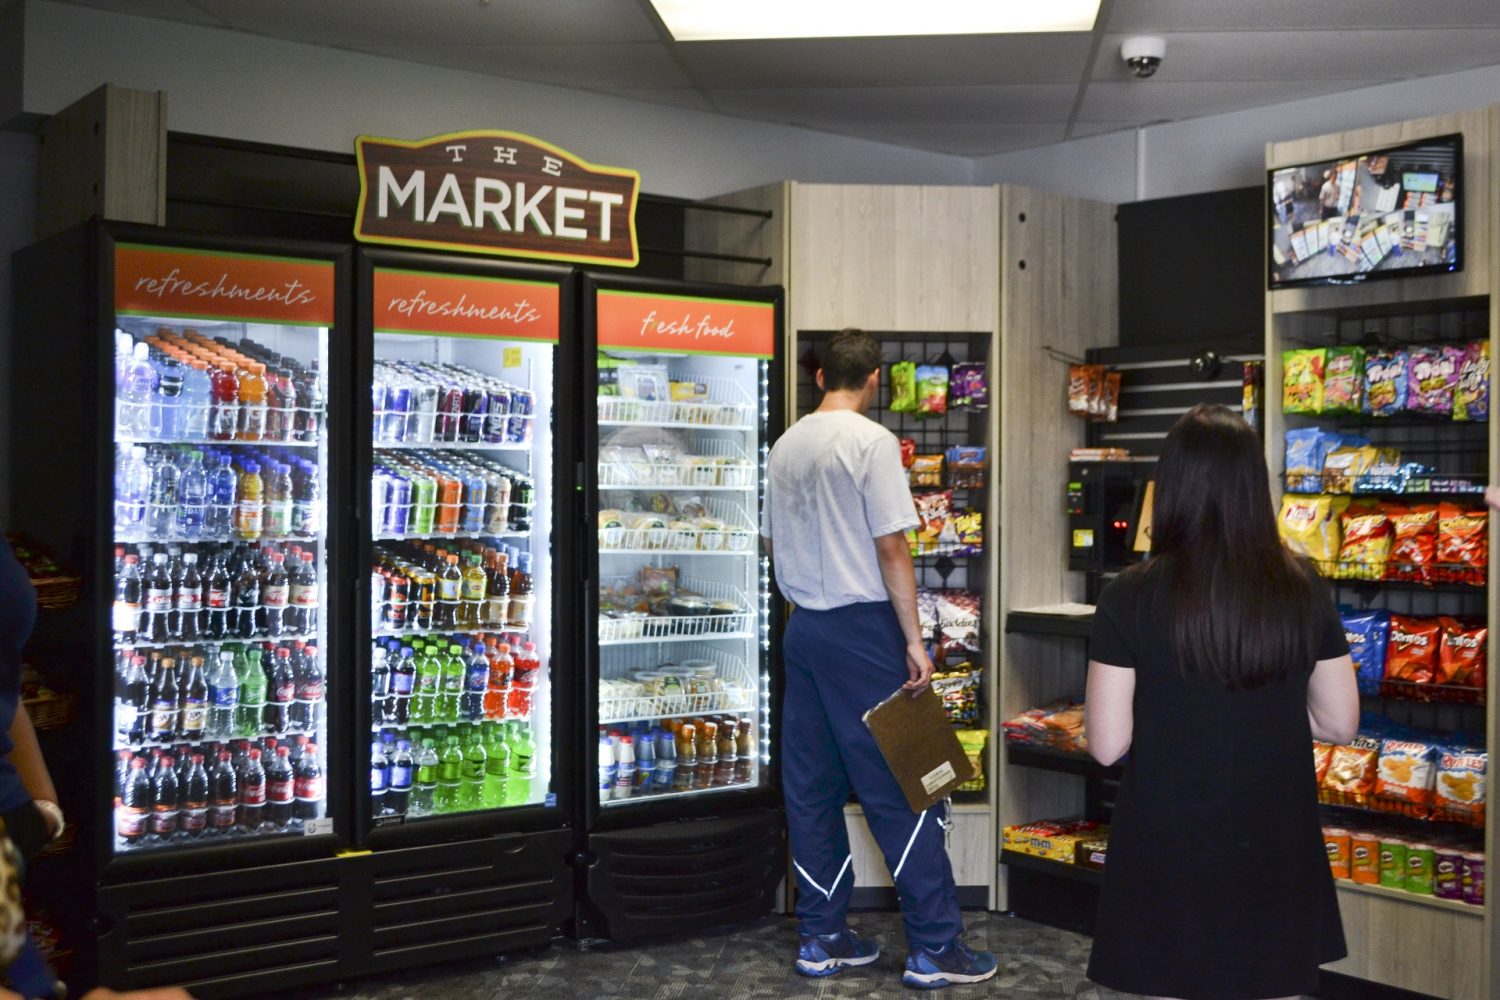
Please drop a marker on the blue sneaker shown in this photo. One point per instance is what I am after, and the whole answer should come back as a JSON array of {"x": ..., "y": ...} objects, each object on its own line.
[
  {"x": 953, "y": 963},
  {"x": 825, "y": 954}
]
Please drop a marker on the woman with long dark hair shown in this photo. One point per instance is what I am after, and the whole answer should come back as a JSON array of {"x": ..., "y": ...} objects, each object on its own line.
[{"x": 1215, "y": 663}]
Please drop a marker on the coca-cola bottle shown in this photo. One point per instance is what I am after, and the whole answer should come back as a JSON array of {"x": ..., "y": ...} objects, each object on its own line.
[
  {"x": 274, "y": 591},
  {"x": 136, "y": 804},
  {"x": 246, "y": 600},
  {"x": 218, "y": 596},
  {"x": 303, "y": 598},
  {"x": 194, "y": 820},
  {"x": 134, "y": 713},
  {"x": 188, "y": 615},
  {"x": 309, "y": 691},
  {"x": 164, "y": 795},
  {"x": 252, "y": 791},
  {"x": 281, "y": 693},
  {"x": 309, "y": 784},
  {"x": 125, "y": 618},
  {"x": 223, "y": 796},
  {"x": 280, "y": 791},
  {"x": 158, "y": 604}
]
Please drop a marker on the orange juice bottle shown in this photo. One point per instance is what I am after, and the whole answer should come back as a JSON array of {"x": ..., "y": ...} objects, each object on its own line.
[{"x": 252, "y": 402}]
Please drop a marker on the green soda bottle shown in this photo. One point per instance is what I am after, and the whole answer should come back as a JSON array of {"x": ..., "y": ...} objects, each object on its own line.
[
  {"x": 522, "y": 765},
  {"x": 424, "y": 788},
  {"x": 454, "y": 669},
  {"x": 450, "y": 776},
  {"x": 252, "y": 696},
  {"x": 471, "y": 781},
  {"x": 496, "y": 767},
  {"x": 425, "y": 691}
]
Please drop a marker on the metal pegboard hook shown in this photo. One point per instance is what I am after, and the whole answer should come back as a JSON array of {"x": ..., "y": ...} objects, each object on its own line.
[{"x": 1061, "y": 356}]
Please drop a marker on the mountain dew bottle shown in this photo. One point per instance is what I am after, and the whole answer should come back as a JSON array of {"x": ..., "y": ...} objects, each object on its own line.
[
  {"x": 522, "y": 764},
  {"x": 450, "y": 776},
  {"x": 471, "y": 780},
  {"x": 496, "y": 767}
]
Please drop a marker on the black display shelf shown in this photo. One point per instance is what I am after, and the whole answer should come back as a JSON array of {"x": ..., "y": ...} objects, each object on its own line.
[
  {"x": 1056, "y": 869},
  {"x": 1031, "y": 623},
  {"x": 1064, "y": 761}
]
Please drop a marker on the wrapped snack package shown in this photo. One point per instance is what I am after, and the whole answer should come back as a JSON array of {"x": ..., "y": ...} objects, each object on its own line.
[
  {"x": 1384, "y": 475},
  {"x": 1385, "y": 382},
  {"x": 966, "y": 467},
  {"x": 1405, "y": 774},
  {"x": 1462, "y": 653},
  {"x": 932, "y": 390},
  {"x": 936, "y": 513},
  {"x": 1306, "y": 450},
  {"x": 1350, "y": 779},
  {"x": 1302, "y": 380},
  {"x": 1432, "y": 376},
  {"x": 1459, "y": 792},
  {"x": 1368, "y": 633},
  {"x": 1411, "y": 654},
  {"x": 1309, "y": 525},
  {"x": 955, "y": 615},
  {"x": 1108, "y": 409},
  {"x": 1365, "y": 546},
  {"x": 903, "y": 387},
  {"x": 908, "y": 452},
  {"x": 1463, "y": 546},
  {"x": 958, "y": 690},
  {"x": 1344, "y": 380},
  {"x": 973, "y": 741},
  {"x": 1413, "y": 543},
  {"x": 658, "y": 581},
  {"x": 1322, "y": 756},
  {"x": 926, "y": 470},
  {"x": 1471, "y": 400},
  {"x": 968, "y": 385},
  {"x": 1085, "y": 384},
  {"x": 1347, "y": 464},
  {"x": 968, "y": 526}
]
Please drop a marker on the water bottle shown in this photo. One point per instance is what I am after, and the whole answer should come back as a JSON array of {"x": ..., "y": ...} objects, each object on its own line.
[
  {"x": 380, "y": 778},
  {"x": 220, "y": 509},
  {"x": 197, "y": 391},
  {"x": 166, "y": 402},
  {"x": 192, "y": 491},
  {"x": 133, "y": 412},
  {"x": 161, "y": 505},
  {"x": 132, "y": 490},
  {"x": 223, "y": 699}
]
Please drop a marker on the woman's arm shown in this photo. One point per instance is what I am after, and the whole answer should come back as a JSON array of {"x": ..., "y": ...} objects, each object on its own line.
[
  {"x": 1333, "y": 700},
  {"x": 26, "y": 756},
  {"x": 1109, "y": 711}
]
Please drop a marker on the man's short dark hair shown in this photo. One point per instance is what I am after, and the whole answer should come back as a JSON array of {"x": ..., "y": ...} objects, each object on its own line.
[{"x": 848, "y": 360}]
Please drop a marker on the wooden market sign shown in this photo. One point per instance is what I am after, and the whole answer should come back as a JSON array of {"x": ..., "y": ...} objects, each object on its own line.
[{"x": 495, "y": 192}]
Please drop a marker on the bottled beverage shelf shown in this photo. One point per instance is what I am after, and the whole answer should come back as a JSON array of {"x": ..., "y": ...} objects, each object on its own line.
[
  {"x": 641, "y": 794},
  {"x": 387, "y": 633},
  {"x": 128, "y": 441},
  {"x": 312, "y": 637},
  {"x": 438, "y": 536},
  {"x": 741, "y": 554},
  {"x": 523, "y": 446},
  {"x": 294, "y": 828},
  {"x": 377, "y": 728},
  {"x": 121, "y": 743},
  {"x": 128, "y": 539},
  {"x": 680, "y": 425},
  {"x": 642, "y": 640}
]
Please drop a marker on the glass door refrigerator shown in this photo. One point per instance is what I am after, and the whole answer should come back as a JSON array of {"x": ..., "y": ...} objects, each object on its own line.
[
  {"x": 467, "y": 630},
  {"x": 683, "y": 825},
  {"x": 175, "y": 418}
]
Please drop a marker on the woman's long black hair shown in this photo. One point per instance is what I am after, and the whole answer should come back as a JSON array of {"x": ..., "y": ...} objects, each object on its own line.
[{"x": 1244, "y": 610}]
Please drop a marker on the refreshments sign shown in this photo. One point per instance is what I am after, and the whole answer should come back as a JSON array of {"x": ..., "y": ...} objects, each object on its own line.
[
  {"x": 495, "y": 192},
  {"x": 686, "y": 324},
  {"x": 202, "y": 284},
  {"x": 466, "y": 306}
]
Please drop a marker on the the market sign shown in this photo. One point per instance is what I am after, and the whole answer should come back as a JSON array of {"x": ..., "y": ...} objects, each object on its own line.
[{"x": 495, "y": 192}]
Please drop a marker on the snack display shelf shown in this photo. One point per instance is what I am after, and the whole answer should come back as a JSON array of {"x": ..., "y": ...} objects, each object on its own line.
[
  {"x": 399, "y": 633},
  {"x": 1064, "y": 761},
  {"x": 1442, "y": 574},
  {"x": 1411, "y": 898},
  {"x": 1056, "y": 869},
  {"x": 1441, "y": 694},
  {"x": 1034, "y": 623},
  {"x": 1355, "y": 814}
]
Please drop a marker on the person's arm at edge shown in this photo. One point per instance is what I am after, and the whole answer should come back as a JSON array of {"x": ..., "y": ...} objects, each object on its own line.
[
  {"x": 26, "y": 757},
  {"x": 1109, "y": 711},
  {"x": 1333, "y": 700},
  {"x": 894, "y": 555}
]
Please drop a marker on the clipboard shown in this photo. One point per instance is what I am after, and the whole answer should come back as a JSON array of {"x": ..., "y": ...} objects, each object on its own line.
[{"x": 919, "y": 746}]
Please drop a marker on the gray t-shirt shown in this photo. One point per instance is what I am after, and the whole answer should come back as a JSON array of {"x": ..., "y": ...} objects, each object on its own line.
[{"x": 834, "y": 484}]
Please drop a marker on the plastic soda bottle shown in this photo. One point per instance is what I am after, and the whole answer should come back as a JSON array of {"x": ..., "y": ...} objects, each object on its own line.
[
  {"x": 497, "y": 695},
  {"x": 398, "y": 792},
  {"x": 252, "y": 695},
  {"x": 450, "y": 776},
  {"x": 455, "y": 671},
  {"x": 380, "y": 778},
  {"x": 308, "y": 784},
  {"x": 223, "y": 698},
  {"x": 252, "y": 424},
  {"x": 471, "y": 786},
  {"x": 496, "y": 768},
  {"x": 224, "y": 417},
  {"x": 424, "y": 790},
  {"x": 424, "y": 703},
  {"x": 249, "y": 506}
]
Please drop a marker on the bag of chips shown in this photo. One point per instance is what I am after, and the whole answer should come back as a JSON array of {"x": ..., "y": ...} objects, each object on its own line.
[
  {"x": 1385, "y": 475},
  {"x": 1108, "y": 408},
  {"x": 1322, "y": 757},
  {"x": 1350, "y": 779},
  {"x": 1462, "y": 654},
  {"x": 958, "y": 690},
  {"x": 1302, "y": 380},
  {"x": 903, "y": 387},
  {"x": 955, "y": 616},
  {"x": 968, "y": 525},
  {"x": 1411, "y": 654},
  {"x": 1463, "y": 546},
  {"x": 908, "y": 452},
  {"x": 1085, "y": 384},
  {"x": 1367, "y": 632},
  {"x": 1306, "y": 450},
  {"x": 973, "y": 741},
  {"x": 968, "y": 385},
  {"x": 1405, "y": 774},
  {"x": 1385, "y": 382},
  {"x": 1344, "y": 380},
  {"x": 1459, "y": 792},
  {"x": 936, "y": 530},
  {"x": 932, "y": 390},
  {"x": 1309, "y": 525},
  {"x": 1471, "y": 400},
  {"x": 926, "y": 470},
  {"x": 1366, "y": 542},
  {"x": 1432, "y": 376},
  {"x": 966, "y": 467},
  {"x": 1347, "y": 464},
  {"x": 1413, "y": 543}
]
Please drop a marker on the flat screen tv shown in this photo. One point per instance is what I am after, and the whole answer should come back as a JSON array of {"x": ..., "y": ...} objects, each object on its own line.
[{"x": 1388, "y": 213}]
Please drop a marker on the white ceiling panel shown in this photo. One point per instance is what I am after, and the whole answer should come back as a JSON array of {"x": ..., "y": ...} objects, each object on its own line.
[
  {"x": 672, "y": 97},
  {"x": 1159, "y": 100},
  {"x": 1157, "y": 16},
  {"x": 874, "y": 62},
  {"x": 185, "y": 11},
  {"x": 584, "y": 67},
  {"x": 825, "y": 108},
  {"x": 962, "y": 140},
  {"x": 1308, "y": 55},
  {"x": 1082, "y": 129}
]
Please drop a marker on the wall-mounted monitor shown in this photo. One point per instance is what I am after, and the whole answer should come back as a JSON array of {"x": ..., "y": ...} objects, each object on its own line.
[{"x": 1388, "y": 213}]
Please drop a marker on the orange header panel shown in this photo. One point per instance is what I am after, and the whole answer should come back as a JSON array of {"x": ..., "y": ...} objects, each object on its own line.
[
  {"x": 158, "y": 282},
  {"x": 456, "y": 305},
  {"x": 679, "y": 324}
]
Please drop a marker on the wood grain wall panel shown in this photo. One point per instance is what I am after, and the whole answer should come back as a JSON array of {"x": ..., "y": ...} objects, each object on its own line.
[
  {"x": 1412, "y": 946},
  {"x": 741, "y": 236}
]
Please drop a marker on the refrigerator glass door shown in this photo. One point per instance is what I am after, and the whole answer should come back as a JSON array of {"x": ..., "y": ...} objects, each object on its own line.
[
  {"x": 221, "y": 555},
  {"x": 461, "y": 507},
  {"x": 683, "y": 587}
]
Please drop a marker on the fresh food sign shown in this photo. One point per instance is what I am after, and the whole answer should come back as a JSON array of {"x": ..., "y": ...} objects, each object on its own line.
[{"x": 495, "y": 192}]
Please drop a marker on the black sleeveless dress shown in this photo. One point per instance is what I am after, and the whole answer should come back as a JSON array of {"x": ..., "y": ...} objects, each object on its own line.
[{"x": 1217, "y": 886}]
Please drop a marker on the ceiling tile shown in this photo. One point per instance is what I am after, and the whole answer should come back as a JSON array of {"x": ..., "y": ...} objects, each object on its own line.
[
  {"x": 585, "y": 67},
  {"x": 1082, "y": 130},
  {"x": 1157, "y": 16},
  {"x": 674, "y": 97},
  {"x": 874, "y": 62},
  {"x": 857, "y": 106},
  {"x": 1147, "y": 101},
  {"x": 344, "y": 24},
  {"x": 162, "y": 10},
  {"x": 958, "y": 140},
  {"x": 1280, "y": 55}
]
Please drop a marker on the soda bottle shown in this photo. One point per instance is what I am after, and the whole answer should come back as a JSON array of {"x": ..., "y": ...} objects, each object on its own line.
[
  {"x": 380, "y": 683},
  {"x": 497, "y": 694},
  {"x": 252, "y": 791},
  {"x": 398, "y": 706},
  {"x": 666, "y": 760},
  {"x": 132, "y": 491},
  {"x": 403, "y": 766},
  {"x": 133, "y": 412},
  {"x": 521, "y": 599},
  {"x": 278, "y": 384},
  {"x": 645, "y": 763},
  {"x": 166, "y": 694},
  {"x": 307, "y": 501},
  {"x": 224, "y": 395},
  {"x": 278, "y": 508},
  {"x": 165, "y": 798},
  {"x": 624, "y": 767},
  {"x": 497, "y": 591},
  {"x": 194, "y": 708},
  {"x": 222, "y": 486},
  {"x": 523, "y": 682},
  {"x": 450, "y": 776},
  {"x": 476, "y": 684},
  {"x": 496, "y": 768},
  {"x": 223, "y": 698},
  {"x": 429, "y": 673},
  {"x": 161, "y": 503},
  {"x": 252, "y": 424},
  {"x": 280, "y": 789},
  {"x": 449, "y": 591},
  {"x": 136, "y": 804},
  {"x": 125, "y": 614},
  {"x": 455, "y": 673},
  {"x": 195, "y": 792},
  {"x": 249, "y": 506},
  {"x": 157, "y": 607},
  {"x": 216, "y": 601},
  {"x": 522, "y": 763},
  {"x": 192, "y": 491},
  {"x": 135, "y": 707},
  {"x": 471, "y": 782},
  {"x": 380, "y": 778},
  {"x": 247, "y": 601},
  {"x": 471, "y": 594},
  {"x": 253, "y": 686},
  {"x": 224, "y": 796},
  {"x": 274, "y": 591},
  {"x": 303, "y": 596},
  {"x": 308, "y": 784},
  {"x": 188, "y": 616},
  {"x": 307, "y": 709},
  {"x": 281, "y": 692}
]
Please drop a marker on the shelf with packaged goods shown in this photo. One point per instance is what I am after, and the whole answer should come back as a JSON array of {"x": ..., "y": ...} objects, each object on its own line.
[
  {"x": 693, "y": 637},
  {"x": 521, "y": 446},
  {"x": 406, "y": 727},
  {"x": 739, "y": 784},
  {"x": 1063, "y": 761},
  {"x": 288, "y": 735},
  {"x": 1056, "y": 869},
  {"x": 217, "y": 540},
  {"x": 129, "y": 441},
  {"x": 190, "y": 644},
  {"x": 1410, "y": 898},
  {"x": 438, "y": 536},
  {"x": 402, "y": 633}
]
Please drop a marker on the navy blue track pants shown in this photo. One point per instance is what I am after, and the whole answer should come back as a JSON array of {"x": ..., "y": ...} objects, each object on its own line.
[{"x": 840, "y": 664}]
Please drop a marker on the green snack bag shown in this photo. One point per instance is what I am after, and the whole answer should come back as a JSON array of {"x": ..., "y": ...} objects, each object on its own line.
[
  {"x": 1344, "y": 380},
  {"x": 903, "y": 387}
]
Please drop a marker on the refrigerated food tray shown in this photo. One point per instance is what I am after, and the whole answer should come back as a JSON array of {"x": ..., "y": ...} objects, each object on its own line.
[
  {"x": 642, "y": 627},
  {"x": 727, "y": 405},
  {"x": 632, "y": 689},
  {"x": 714, "y": 464},
  {"x": 646, "y": 533}
]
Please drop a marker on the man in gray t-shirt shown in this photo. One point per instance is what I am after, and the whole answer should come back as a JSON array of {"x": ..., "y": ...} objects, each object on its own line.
[{"x": 837, "y": 509}]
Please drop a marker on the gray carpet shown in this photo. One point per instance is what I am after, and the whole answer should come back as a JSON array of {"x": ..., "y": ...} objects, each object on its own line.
[{"x": 1036, "y": 962}]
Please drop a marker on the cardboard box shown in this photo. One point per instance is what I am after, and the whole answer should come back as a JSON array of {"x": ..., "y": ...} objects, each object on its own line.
[
  {"x": 1091, "y": 853},
  {"x": 1055, "y": 840}
]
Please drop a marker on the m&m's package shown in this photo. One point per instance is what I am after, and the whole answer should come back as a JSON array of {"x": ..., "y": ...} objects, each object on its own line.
[
  {"x": 1302, "y": 380},
  {"x": 1385, "y": 382}
]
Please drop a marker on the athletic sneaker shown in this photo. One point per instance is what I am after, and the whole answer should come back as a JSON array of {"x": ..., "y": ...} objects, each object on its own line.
[
  {"x": 825, "y": 954},
  {"x": 953, "y": 963}
]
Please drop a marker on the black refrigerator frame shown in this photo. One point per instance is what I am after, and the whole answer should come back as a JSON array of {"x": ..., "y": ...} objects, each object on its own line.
[{"x": 743, "y": 827}]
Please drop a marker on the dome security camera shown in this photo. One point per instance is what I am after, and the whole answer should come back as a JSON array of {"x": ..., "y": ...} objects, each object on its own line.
[{"x": 1143, "y": 54}]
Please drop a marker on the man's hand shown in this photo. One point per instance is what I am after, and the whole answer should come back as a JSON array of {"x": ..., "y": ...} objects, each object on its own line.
[
  {"x": 919, "y": 667},
  {"x": 1492, "y": 496}
]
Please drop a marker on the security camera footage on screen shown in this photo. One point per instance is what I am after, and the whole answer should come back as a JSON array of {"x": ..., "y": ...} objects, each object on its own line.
[{"x": 1381, "y": 214}]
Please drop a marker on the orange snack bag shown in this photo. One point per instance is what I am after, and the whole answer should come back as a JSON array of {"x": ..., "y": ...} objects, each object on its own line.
[
  {"x": 1413, "y": 545},
  {"x": 1411, "y": 654},
  {"x": 1322, "y": 756},
  {"x": 1463, "y": 545},
  {"x": 1336, "y": 841},
  {"x": 1350, "y": 780},
  {"x": 1461, "y": 654},
  {"x": 1406, "y": 773}
]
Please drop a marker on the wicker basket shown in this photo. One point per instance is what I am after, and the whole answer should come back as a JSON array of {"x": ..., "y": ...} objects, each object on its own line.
[
  {"x": 51, "y": 709},
  {"x": 58, "y": 592}
]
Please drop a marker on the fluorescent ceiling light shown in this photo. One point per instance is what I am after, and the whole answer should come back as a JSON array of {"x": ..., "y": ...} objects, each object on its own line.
[{"x": 717, "y": 20}]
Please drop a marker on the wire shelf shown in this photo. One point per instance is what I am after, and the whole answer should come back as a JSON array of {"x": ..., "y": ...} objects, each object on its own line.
[
  {"x": 633, "y": 626},
  {"x": 727, "y": 405},
  {"x": 648, "y": 534},
  {"x": 631, "y": 691},
  {"x": 713, "y": 464}
]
